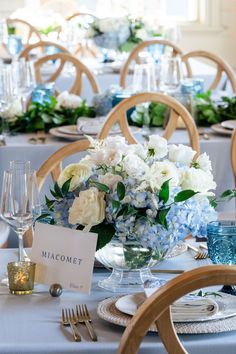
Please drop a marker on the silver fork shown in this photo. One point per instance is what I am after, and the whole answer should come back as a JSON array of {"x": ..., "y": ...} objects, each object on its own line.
[
  {"x": 83, "y": 316},
  {"x": 199, "y": 255},
  {"x": 66, "y": 319}
]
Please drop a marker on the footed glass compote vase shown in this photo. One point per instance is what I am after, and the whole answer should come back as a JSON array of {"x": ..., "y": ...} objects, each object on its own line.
[{"x": 131, "y": 264}]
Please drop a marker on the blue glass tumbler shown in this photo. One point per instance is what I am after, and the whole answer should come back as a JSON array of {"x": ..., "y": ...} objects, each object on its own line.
[{"x": 221, "y": 242}]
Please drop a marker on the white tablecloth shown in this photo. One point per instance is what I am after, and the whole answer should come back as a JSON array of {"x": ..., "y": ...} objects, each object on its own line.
[{"x": 31, "y": 324}]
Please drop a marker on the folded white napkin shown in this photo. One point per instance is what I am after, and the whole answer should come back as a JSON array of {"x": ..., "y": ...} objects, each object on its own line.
[{"x": 190, "y": 307}]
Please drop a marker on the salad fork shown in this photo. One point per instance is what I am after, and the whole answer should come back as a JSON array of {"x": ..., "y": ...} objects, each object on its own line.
[
  {"x": 66, "y": 319},
  {"x": 199, "y": 255},
  {"x": 83, "y": 316}
]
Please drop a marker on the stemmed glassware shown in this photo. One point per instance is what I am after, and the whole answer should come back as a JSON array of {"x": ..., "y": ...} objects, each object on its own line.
[
  {"x": 144, "y": 78},
  {"x": 20, "y": 203},
  {"x": 171, "y": 74}
]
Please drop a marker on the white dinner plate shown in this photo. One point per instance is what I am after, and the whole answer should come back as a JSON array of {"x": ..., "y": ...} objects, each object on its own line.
[
  {"x": 217, "y": 128},
  {"x": 59, "y": 134},
  {"x": 69, "y": 129},
  {"x": 129, "y": 304},
  {"x": 229, "y": 124}
]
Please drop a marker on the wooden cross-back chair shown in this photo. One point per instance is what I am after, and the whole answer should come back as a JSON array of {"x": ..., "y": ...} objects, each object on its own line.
[
  {"x": 80, "y": 14},
  {"x": 156, "y": 309},
  {"x": 221, "y": 65},
  {"x": 233, "y": 154},
  {"x": 134, "y": 55},
  {"x": 80, "y": 69},
  {"x": 53, "y": 166},
  {"x": 30, "y": 30},
  {"x": 118, "y": 115},
  {"x": 42, "y": 45}
]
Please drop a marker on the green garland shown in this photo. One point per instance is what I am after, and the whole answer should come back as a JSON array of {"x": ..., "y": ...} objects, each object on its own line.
[
  {"x": 208, "y": 112},
  {"x": 46, "y": 116}
]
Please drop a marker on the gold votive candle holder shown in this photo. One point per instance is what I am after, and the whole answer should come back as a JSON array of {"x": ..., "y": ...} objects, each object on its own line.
[{"x": 21, "y": 277}]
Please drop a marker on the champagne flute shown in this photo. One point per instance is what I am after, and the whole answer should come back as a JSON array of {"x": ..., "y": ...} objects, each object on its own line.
[{"x": 20, "y": 204}]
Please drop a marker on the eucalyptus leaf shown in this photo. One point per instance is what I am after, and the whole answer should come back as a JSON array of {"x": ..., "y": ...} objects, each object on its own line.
[{"x": 101, "y": 186}]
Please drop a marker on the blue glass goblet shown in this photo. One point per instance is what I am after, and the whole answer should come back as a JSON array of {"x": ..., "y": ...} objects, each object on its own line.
[{"x": 221, "y": 242}]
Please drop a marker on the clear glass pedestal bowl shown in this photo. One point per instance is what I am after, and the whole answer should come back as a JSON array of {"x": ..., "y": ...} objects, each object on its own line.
[{"x": 131, "y": 264}]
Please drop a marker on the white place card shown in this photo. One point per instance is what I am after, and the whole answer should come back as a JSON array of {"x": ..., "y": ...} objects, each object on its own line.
[{"x": 63, "y": 256}]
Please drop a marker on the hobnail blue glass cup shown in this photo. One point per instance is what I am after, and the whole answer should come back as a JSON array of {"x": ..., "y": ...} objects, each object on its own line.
[{"x": 221, "y": 242}]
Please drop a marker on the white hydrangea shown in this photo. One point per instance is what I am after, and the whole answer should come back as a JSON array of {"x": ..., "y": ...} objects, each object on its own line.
[
  {"x": 181, "y": 153},
  {"x": 15, "y": 108},
  {"x": 135, "y": 166}
]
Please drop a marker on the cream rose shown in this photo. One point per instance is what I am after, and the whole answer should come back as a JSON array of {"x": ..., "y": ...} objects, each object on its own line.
[
  {"x": 77, "y": 172},
  {"x": 161, "y": 172},
  {"x": 88, "y": 208},
  {"x": 181, "y": 153},
  {"x": 198, "y": 180}
]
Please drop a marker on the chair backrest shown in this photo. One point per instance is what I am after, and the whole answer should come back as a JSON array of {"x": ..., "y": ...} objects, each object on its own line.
[
  {"x": 156, "y": 309},
  {"x": 118, "y": 115},
  {"x": 30, "y": 30},
  {"x": 53, "y": 165},
  {"x": 80, "y": 69},
  {"x": 233, "y": 154},
  {"x": 81, "y": 14},
  {"x": 222, "y": 67},
  {"x": 134, "y": 55},
  {"x": 42, "y": 46}
]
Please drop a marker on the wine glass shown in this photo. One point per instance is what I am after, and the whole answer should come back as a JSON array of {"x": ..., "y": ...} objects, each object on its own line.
[
  {"x": 171, "y": 74},
  {"x": 144, "y": 78},
  {"x": 20, "y": 203}
]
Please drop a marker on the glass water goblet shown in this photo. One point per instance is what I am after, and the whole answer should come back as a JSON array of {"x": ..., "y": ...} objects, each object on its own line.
[
  {"x": 20, "y": 203},
  {"x": 171, "y": 74},
  {"x": 221, "y": 242},
  {"x": 144, "y": 78}
]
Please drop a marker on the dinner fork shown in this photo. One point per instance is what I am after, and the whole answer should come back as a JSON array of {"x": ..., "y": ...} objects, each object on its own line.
[
  {"x": 83, "y": 316},
  {"x": 199, "y": 255},
  {"x": 66, "y": 319}
]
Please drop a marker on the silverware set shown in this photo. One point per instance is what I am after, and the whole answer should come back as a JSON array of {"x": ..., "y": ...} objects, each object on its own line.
[
  {"x": 199, "y": 252},
  {"x": 79, "y": 315}
]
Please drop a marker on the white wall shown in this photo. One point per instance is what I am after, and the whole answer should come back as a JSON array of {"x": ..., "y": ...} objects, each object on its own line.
[
  {"x": 8, "y": 6},
  {"x": 221, "y": 41}
]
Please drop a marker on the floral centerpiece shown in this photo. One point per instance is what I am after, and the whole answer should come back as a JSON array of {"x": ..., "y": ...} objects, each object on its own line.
[
  {"x": 140, "y": 200},
  {"x": 117, "y": 33}
]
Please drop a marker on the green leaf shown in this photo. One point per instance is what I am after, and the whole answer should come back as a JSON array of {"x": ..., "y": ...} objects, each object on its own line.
[
  {"x": 66, "y": 186},
  {"x": 53, "y": 194},
  {"x": 120, "y": 190},
  {"x": 115, "y": 206},
  {"x": 102, "y": 187},
  {"x": 42, "y": 216},
  {"x": 228, "y": 193},
  {"x": 164, "y": 191},
  {"x": 105, "y": 233},
  {"x": 161, "y": 217},
  {"x": 184, "y": 195},
  {"x": 57, "y": 190},
  {"x": 49, "y": 203},
  {"x": 213, "y": 202}
]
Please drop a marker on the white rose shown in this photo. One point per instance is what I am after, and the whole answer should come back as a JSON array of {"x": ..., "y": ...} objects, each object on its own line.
[
  {"x": 159, "y": 145},
  {"x": 13, "y": 111},
  {"x": 88, "y": 208},
  {"x": 78, "y": 174},
  {"x": 141, "y": 33},
  {"x": 161, "y": 172},
  {"x": 135, "y": 166},
  {"x": 204, "y": 162},
  {"x": 181, "y": 153},
  {"x": 197, "y": 180},
  {"x": 110, "y": 180},
  {"x": 68, "y": 100},
  {"x": 139, "y": 150}
]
